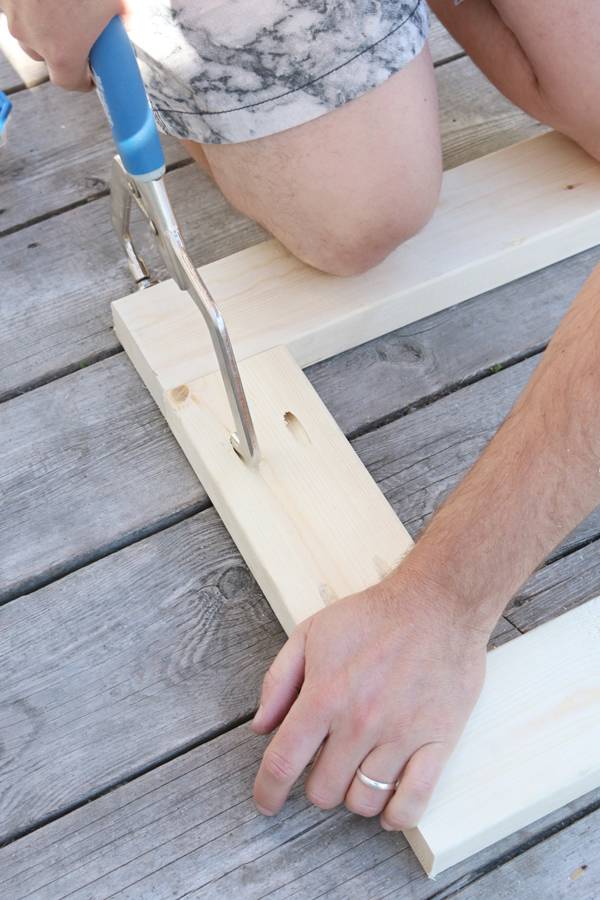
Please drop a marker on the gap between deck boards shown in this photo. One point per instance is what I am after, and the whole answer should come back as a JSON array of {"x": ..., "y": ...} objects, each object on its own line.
[{"x": 36, "y": 583}]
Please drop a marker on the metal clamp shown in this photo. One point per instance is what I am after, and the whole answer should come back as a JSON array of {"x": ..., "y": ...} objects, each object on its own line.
[{"x": 152, "y": 199}]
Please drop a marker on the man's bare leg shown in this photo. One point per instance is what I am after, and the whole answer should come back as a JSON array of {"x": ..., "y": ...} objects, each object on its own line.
[
  {"x": 342, "y": 191},
  {"x": 542, "y": 56}
]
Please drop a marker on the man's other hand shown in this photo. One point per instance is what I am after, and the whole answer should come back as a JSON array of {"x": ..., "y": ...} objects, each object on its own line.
[{"x": 384, "y": 680}]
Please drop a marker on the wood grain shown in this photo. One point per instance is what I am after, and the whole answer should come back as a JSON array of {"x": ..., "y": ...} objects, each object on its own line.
[
  {"x": 123, "y": 664},
  {"x": 556, "y": 588},
  {"x": 63, "y": 442},
  {"x": 499, "y": 218},
  {"x": 62, "y": 273},
  {"x": 59, "y": 152},
  {"x": 126, "y": 662},
  {"x": 567, "y": 865},
  {"x": 308, "y": 518},
  {"x": 482, "y": 120},
  {"x": 189, "y": 828},
  {"x": 442, "y": 45}
]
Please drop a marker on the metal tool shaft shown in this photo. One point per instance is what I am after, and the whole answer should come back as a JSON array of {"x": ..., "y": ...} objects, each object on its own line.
[
  {"x": 153, "y": 200},
  {"x": 137, "y": 173}
]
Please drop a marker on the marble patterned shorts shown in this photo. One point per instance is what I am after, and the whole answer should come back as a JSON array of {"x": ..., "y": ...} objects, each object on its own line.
[{"x": 224, "y": 71}]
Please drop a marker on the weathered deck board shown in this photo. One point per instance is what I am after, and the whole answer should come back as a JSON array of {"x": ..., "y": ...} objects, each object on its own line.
[
  {"x": 567, "y": 865},
  {"x": 62, "y": 274},
  {"x": 189, "y": 828},
  {"x": 442, "y": 45},
  {"x": 60, "y": 152},
  {"x": 127, "y": 662},
  {"x": 51, "y": 318},
  {"x": 543, "y": 598},
  {"x": 62, "y": 442}
]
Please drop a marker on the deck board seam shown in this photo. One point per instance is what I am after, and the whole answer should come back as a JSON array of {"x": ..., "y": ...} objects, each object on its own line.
[
  {"x": 446, "y": 391},
  {"x": 211, "y": 735},
  {"x": 85, "y": 363},
  {"x": 455, "y": 890},
  {"x": 77, "y": 204},
  {"x": 34, "y": 583},
  {"x": 20, "y": 88},
  {"x": 449, "y": 59}
]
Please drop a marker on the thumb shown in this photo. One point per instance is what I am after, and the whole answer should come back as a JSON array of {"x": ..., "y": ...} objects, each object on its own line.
[{"x": 282, "y": 682}]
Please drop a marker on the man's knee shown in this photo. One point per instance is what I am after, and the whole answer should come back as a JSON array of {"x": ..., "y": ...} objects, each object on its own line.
[{"x": 350, "y": 245}]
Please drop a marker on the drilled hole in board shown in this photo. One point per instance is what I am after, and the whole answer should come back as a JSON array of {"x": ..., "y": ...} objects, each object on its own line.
[{"x": 296, "y": 427}]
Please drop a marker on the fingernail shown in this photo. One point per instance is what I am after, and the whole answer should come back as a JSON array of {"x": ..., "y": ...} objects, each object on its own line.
[
  {"x": 385, "y": 825},
  {"x": 257, "y": 714}
]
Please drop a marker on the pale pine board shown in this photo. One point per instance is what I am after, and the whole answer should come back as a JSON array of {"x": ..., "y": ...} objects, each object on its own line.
[
  {"x": 309, "y": 520},
  {"x": 531, "y": 745},
  {"x": 499, "y": 218},
  {"x": 302, "y": 541}
]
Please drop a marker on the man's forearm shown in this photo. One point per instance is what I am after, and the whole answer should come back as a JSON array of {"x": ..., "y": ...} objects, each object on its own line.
[{"x": 537, "y": 479}]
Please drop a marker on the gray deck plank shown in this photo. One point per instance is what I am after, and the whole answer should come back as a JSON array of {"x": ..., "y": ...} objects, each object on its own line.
[
  {"x": 567, "y": 865},
  {"x": 61, "y": 273},
  {"x": 442, "y": 45},
  {"x": 60, "y": 152},
  {"x": 189, "y": 829},
  {"x": 61, "y": 445},
  {"x": 127, "y": 662},
  {"x": 546, "y": 596}
]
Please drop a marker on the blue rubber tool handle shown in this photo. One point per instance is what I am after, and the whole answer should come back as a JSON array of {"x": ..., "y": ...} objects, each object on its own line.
[
  {"x": 5, "y": 108},
  {"x": 119, "y": 82}
]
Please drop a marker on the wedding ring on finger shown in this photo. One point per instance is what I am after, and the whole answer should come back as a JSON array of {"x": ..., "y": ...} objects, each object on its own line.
[{"x": 373, "y": 783}]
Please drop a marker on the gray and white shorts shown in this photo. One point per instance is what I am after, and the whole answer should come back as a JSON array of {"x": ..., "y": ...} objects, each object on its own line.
[{"x": 224, "y": 71}]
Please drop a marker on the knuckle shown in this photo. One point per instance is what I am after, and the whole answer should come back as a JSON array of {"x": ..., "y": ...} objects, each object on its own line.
[
  {"x": 363, "y": 720},
  {"x": 401, "y": 819},
  {"x": 320, "y": 798},
  {"x": 322, "y": 704},
  {"x": 278, "y": 766},
  {"x": 363, "y": 807}
]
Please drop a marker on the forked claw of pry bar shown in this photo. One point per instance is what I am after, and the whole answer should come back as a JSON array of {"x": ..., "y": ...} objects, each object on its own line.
[{"x": 152, "y": 199}]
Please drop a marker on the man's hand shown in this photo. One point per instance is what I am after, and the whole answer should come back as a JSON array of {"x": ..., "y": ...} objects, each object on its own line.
[
  {"x": 61, "y": 32},
  {"x": 386, "y": 680}
]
